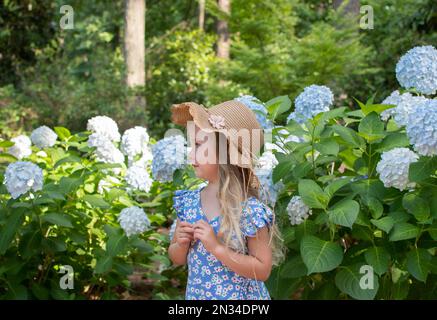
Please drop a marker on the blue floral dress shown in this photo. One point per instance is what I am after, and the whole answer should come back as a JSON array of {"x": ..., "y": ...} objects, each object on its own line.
[{"x": 208, "y": 278}]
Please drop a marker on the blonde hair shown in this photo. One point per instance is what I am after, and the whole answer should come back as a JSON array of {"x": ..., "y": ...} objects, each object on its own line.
[{"x": 235, "y": 189}]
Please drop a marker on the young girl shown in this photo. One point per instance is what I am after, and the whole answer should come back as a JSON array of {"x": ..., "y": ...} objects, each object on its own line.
[{"x": 228, "y": 237}]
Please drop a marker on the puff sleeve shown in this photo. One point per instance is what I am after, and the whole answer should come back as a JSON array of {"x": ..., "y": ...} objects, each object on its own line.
[
  {"x": 179, "y": 203},
  {"x": 255, "y": 215}
]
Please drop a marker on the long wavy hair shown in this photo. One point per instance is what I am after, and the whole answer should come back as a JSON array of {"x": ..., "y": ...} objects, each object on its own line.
[{"x": 235, "y": 188}]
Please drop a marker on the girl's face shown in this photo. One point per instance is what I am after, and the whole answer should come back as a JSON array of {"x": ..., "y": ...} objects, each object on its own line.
[{"x": 203, "y": 155}]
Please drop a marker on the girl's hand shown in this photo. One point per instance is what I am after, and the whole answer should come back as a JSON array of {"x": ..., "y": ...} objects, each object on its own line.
[
  {"x": 184, "y": 233},
  {"x": 205, "y": 233}
]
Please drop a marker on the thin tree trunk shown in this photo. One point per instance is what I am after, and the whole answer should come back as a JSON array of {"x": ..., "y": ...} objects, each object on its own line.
[
  {"x": 134, "y": 45},
  {"x": 224, "y": 40},
  {"x": 201, "y": 14}
]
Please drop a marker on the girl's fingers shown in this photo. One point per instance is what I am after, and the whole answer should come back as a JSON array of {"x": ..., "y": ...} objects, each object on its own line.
[{"x": 187, "y": 229}]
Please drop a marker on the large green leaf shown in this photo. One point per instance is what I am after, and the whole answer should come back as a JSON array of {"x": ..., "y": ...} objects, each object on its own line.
[
  {"x": 349, "y": 136},
  {"x": 327, "y": 146},
  {"x": 344, "y": 213},
  {"x": 58, "y": 219},
  {"x": 378, "y": 258},
  {"x": 278, "y": 105},
  {"x": 294, "y": 268},
  {"x": 403, "y": 231},
  {"x": 385, "y": 223},
  {"x": 417, "y": 206},
  {"x": 319, "y": 255},
  {"x": 116, "y": 244},
  {"x": 371, "y": 127},
  {"x": 104, "y": 264},
  {"x": 9, "y": 229},
  {"x": 312, "y": 194},
  {"x": 418, "y": 263},
  {"x": 336, "y": 185},
  {"x": 422, "y": 169},
  {"x": 393, "y": 140},
  {"x": 96, "y": 201},
  {"x": 348, "y": 281}
]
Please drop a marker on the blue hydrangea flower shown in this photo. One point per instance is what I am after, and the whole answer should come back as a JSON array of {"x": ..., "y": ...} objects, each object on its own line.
[
  {"x": 422, "y": 128},
  {"x": 258, "y": 108},
  {"x": 169, "y": 154},
  {"x": 313, "y": 100},
  {"x": 133, "y": 220},
  {"x": 418, "y": 69},
  {"x": 23, "y": 176}
]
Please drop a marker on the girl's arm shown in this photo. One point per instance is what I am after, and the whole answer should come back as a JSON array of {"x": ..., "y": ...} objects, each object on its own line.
[
  {"x": 178, "y": 252},
  {"x": 257, "y": 265}
]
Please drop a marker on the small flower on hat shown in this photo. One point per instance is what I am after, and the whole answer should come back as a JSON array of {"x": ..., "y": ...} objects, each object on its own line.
[{"x": 217, "y": 121}]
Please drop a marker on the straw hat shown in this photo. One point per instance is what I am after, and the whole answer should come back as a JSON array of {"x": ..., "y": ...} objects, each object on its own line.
[{"x": 232, "y": 118}]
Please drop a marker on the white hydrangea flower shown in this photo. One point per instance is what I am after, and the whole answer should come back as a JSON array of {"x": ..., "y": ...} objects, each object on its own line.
[
  {"x": 145, "y": 161},
  {"x": 297, "y": 210},
  {"x": 21, "y": 149},
  {"x": 97, "y": 140},
  {"x": 169, "y": 154},
  {"x": 134, "y": 141},
  {"x": 394, "y": 166},
  {"x": 418, "y": 69},
  {"x": 108, "y": 153},
  {"x": 138, "y": 178},
  {"x": 43, "y": 137},
  {"x": 405, "y": 107},
  {"x": 258, "y": 108},
  {"x": 105, "y": 126},
  {"x": 23, "y": 176},
  {"x": 422, "y": 128},
  {"x": 266, "y": 163},
  {"x": 133, "y": 220},
  {"x": 313, "y": 100},
  {"x": 281, "y": 138},
  {"x": 107, "y": 183}
]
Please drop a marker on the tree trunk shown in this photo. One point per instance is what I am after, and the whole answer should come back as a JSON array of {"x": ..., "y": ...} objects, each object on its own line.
[
  {"x": 134, "y": 46},
  {"x": 201, "y": 14},
  {"x": 352, "y": 7},
  {"x": 224, "y": 41}
]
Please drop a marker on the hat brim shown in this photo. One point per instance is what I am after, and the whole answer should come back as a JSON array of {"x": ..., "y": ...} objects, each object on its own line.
[{"x": 190, "y": 111}]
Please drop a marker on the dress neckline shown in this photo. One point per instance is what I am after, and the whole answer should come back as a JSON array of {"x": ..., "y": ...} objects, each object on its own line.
[{"x": 200, "y": 206}]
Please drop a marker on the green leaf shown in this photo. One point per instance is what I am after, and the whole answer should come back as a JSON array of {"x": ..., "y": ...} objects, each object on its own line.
[
  {"x": 422, "y": 169},
  {"x": 9, "y": 229},
  {"x": 62, "y": 132},
  {"x": 66, "y": 160},
  {"x": 67, "y": 184},
  {"x": 418, "y": 263},
  {"x": 416, "y": 206},
  {"x": 385, "y": 223},
  {"x": 375, "y": 207},
  {"x": 393, "y": 140},
  {"x": 58, "y": 219},
  {"x": 5, "y": 157},
  {"x": 403, "y": 231},
  {"x": 16, "y": 292},
  {"x": 116, "y": 244},
  {"x": 319, "y": 255},
  {"x": 294, "y": 268},
  {"x": 344, "y": 213},
  {"x": 6, "y": 144},
  {"x": 103, "y": 265},
  {"x": 279, "y": 287},
  {"x": 348, "y": 281},
  {"x": 432, "y": 230},
  {"x": 312, "y": 194},
  {"x": 278, "y": 105},
  {"x": 96, "y": 201},
  {"x": 371, "y": 127},
  {"x": 349, "y": 135},
  {"x": 327, "y": 146},
  {"x": 378, "y": 258},
  {"x": 336, "y": 185}
]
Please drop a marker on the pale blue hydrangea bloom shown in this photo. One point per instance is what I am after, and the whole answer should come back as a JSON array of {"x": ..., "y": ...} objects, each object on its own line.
[
  {"x": 313, "y": 100},
  {"x": 21, "y": 149},
  {"x": 258, "y": 108},
  {"x": 394, "y": 166},
  {"x": 422, "y": 128},
  {"x": 264, "y": 171},
  {"x": 43, "y": 137},
  {"x": 133, "y": 220},
  {"x": 23, "y": 176},
  {"x": 405, "y": 107},
  {"x": 104, "y": 126},
  {"x": 172, "y": 230},
  {"x": 418, "y": 69},
  {"x": 169, "y": 154},
  {"x": 297, "y": 210}
]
